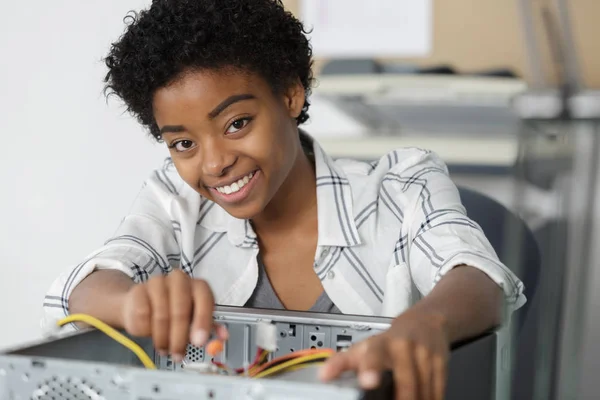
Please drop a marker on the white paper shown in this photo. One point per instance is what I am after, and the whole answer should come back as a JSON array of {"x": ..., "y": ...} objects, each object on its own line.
[{"x": 369, "y": 28}]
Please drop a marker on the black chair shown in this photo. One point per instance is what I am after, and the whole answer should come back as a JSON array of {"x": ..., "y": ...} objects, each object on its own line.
[{"x": 512, "y": 240}]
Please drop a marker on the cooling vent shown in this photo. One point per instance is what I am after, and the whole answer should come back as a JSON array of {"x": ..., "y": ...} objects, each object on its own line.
[
  {"x": 194, "y": 354},
  {"x": 58, "y": 388}
]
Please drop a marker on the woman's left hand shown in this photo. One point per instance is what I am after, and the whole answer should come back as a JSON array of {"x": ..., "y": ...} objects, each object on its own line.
[{"x": 415, "y": 349}]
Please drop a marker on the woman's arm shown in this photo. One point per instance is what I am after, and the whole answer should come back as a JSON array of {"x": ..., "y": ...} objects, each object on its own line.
[
  {"x": 464, "y": 303},
  {"x": 137, "y": 251},
  {"x": 102, "y": 294}
]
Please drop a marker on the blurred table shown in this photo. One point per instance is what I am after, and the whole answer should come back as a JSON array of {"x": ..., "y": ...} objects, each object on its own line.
[{"x": 469, "y": 122}]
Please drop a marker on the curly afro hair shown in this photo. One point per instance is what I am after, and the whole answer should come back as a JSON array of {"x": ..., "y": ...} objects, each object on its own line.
[{"x": 176, "y": 36}]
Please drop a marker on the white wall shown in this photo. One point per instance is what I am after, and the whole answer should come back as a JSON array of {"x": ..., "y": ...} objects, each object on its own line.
[{"x": 71, "y": 164}]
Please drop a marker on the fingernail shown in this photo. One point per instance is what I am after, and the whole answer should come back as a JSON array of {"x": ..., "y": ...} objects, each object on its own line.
[
  {"x": 163, "y": 353},
  {"x": 223, "y": 332},
  {"x": 178, "y": 358},
  {"x": 368, "y": 379},
  {"x": 199, "y": 337}
]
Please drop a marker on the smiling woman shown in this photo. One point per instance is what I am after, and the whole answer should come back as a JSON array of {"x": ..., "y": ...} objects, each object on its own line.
[
  {"x": 240, "y": 129},
  {"x": 249, "y": 210}
]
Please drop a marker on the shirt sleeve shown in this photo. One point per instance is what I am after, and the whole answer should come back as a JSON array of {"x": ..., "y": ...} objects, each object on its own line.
[
  {"x": 439, "y": 234},
  {"x": 143, "y": 245}
]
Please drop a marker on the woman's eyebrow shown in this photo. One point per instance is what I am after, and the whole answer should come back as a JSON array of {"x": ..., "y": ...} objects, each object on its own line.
[
  {"x": 172, "y": 129},
  {"x": 227, "y": 102}
]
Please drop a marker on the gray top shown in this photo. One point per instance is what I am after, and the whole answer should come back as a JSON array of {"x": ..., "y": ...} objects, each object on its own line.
[{"x": 265, "y": 297}]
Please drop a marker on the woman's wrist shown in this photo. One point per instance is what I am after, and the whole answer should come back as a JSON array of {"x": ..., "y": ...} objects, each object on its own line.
[{"x": 434, "y": 319}]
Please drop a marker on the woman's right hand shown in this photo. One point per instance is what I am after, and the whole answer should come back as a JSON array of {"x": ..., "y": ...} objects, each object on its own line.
[{"x": 174, "y": 310}]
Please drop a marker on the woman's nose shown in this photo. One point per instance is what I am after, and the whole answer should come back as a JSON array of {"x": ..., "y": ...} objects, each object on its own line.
[{"x": 216, "y": 159}]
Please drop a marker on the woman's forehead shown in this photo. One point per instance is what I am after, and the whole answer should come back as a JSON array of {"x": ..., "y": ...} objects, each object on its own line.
[{"x": 209, "y": 87}]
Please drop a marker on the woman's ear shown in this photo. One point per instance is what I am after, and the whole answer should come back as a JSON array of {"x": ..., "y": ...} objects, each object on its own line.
[{"x": 294, "y": 98}]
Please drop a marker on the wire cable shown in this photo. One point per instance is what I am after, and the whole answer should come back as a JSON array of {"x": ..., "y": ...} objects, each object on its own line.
[
  {"x": 258, "y": 369},
  {"x": 294, "y": 355},
  {"x": 260, "y": 358},
  {"x": 113, "y": 334},
  {"x": 292, "y": 363}
]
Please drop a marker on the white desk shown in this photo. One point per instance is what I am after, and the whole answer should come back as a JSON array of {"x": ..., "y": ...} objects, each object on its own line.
[{"x": 344, "y": 136}]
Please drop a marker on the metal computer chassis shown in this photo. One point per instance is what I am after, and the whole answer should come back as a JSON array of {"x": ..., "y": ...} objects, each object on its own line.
[{"x": 89, "y": 365}]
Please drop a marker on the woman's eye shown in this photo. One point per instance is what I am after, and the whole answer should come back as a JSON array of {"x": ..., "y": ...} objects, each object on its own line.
[
  {"x": 182, "y": 145},
  {"x": 238, "y": 124}
]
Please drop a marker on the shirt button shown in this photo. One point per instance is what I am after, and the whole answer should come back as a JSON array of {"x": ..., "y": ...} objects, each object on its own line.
[
  {"x": 323, "y": 254},
  {"x": 331, "y": 275}
]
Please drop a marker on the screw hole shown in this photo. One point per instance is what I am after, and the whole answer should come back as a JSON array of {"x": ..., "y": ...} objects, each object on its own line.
[
  {"x": 319, "y": 343},
  {"x": 292, "y": 350},
  {"x": 316, "y": 328},
  {"x": 313, "y": 338},
  {"x": 156, "y": 389}
]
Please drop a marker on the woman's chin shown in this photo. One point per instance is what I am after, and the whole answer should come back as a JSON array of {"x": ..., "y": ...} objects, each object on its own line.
[{"x": 245, "y": 211}]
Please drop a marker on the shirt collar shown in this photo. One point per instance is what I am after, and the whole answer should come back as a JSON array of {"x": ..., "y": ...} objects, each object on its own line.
[{"x": 334, "y": 207}]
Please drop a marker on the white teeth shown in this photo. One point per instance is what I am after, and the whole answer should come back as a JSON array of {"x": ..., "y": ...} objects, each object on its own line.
[{"x": 236, "y": 186}]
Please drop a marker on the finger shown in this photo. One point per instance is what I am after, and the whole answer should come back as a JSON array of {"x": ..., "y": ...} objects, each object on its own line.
[
  {"x": 424, "y": 366},
  {"x": 405, "y": 372},
  {"x": 137, "y": 312},
  {"x": 159, "y": 300},
  {"x": 202, "y": 320},
  {"x": 180, "y": 313},
  {"x": 221, "y": 331},
  {"x": 439, "y": 377},
  {"x": 337, "y": 364},
  {"x": 371, "y": 365}
]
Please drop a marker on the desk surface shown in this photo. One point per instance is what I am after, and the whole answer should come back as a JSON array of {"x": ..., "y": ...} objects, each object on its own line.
[
  {"x": 458, "y": 130},
  {"x": 343, "y": 133},
  {"x": 342, "y": 136},
  {"x": 452, "y": 85}
]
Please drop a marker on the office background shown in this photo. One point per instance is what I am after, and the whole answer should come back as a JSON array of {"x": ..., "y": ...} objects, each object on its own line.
[{"x": 479, "y": 34}]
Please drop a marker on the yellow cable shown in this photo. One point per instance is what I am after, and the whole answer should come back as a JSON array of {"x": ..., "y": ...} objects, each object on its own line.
[
  {"x": 293, "y": 362},
  {"x": 112, "y": 333},
  {"x": 261, "y": 359},
  {"x": 292, "y": 356}
]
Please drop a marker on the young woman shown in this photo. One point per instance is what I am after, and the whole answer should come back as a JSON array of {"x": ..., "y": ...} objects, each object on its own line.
[{"x": 249, "y": 210}]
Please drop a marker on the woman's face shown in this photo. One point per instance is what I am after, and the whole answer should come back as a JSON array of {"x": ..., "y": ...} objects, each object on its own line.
[{"x": 231, "y": 137}]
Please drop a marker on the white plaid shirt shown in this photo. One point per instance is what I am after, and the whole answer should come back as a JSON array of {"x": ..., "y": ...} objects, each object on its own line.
[{"x": 387, "y": 232}]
